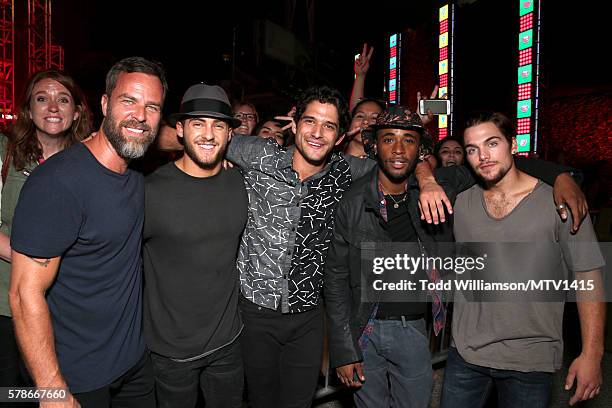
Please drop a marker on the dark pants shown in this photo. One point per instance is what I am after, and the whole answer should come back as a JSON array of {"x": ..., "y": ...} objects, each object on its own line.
[
  {"x": 134, "y": 389},
  {"x": 397, "y": 366},
  {"x": 13, "y": 372},
  {"x": 219, "y": 375},
  {"x": 282, "y": 355},
  {"x": 10, "y": 360},
  {"x": 467, "y": 385}
]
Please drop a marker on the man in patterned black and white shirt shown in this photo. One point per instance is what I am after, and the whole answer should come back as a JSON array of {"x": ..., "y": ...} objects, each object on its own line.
[{"x": 293, "y": 194}]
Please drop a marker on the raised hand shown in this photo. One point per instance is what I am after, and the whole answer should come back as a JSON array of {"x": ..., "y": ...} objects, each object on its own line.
[
  {"x": 288, "y": 117},
  {"x": 429, "y": 116},
  {"x": 362, "y": 63}
]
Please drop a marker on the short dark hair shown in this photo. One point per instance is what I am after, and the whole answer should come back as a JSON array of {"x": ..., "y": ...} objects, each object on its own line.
[
  {"x": 324, "y": 94},
  {"x": 262, "y": 122},
  {"x": 501, "y": 121},
  {"x": 135, "y": 64}
]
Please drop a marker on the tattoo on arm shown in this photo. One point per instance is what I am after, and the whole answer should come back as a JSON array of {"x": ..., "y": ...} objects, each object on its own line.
[{"x": 43, "y": 263}]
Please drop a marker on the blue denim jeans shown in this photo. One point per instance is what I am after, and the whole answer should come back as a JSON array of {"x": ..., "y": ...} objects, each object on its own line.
[
  {"x": 397, "y": 366},
  {"x": 467, "y": 385}
]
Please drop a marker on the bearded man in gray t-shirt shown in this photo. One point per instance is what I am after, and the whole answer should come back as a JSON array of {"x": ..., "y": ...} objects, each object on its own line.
[{"x": 518, "y": 345}]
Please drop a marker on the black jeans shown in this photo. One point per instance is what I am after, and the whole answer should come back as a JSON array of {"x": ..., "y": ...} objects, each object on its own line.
[
  {"x": 220, "y": 375},
  {"x": 282, "y": 355},
  {"x": 10, "y": 360},
  {"x": 134, "y": 389}
]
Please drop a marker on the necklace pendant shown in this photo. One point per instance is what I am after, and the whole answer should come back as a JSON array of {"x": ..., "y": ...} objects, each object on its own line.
[{"x": 396, "y": 205}]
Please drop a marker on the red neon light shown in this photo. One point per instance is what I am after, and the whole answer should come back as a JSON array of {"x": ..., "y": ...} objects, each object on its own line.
[
  {"x": 443, "y": 80},
  {"x": 443, "y": 53},
  {"x": 392, "y": 73},
  {"x": 442, "y": 133},
  {"x": 392, "y": 52},
  {"x": 526, "y": 22},
  {"x": 523, "y": 126},
  {"x": 525, "y": 57},
  {"x": 392, "y": 96},
  {"x": 524, "y": 91},
  {"x": 444, "y": 26}
]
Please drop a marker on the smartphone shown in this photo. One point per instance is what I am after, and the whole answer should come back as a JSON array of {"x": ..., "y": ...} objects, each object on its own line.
[{"x": 437, "y": 106}]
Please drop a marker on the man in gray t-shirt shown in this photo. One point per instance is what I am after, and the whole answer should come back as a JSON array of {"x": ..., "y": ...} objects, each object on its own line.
[{"x": 518, "y": 345}]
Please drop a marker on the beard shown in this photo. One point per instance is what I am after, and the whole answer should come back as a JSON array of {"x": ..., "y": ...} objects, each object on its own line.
[
  {"x": 127, "y": 147},
  {"x": 191, "y": 150},
  {"x": 494, "y": 178}
]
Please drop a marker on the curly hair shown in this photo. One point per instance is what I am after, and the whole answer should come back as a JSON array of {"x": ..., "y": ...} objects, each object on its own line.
[
  {"x": 324, "y": 94},
  {"x": 23, "y": 146}
]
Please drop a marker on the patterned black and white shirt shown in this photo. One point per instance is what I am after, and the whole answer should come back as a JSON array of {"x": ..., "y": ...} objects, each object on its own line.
[{"x": 289, "y": 226}]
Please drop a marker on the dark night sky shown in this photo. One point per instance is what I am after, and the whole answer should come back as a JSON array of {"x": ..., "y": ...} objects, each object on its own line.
[{"x": 189, "y": 37}]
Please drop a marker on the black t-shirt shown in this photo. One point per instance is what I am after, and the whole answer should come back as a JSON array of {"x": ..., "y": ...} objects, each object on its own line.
[
  {"x": 92, "y": 217},
  {"x": 191, "y": 237},
  {"x": 400, "y": 229}
]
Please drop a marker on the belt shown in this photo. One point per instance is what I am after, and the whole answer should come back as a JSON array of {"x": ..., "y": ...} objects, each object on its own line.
[{"x": 401, "y": 317}]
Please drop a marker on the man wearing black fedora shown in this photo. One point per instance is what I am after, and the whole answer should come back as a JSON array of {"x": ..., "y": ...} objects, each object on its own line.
[{"x": 191, "y": 320}]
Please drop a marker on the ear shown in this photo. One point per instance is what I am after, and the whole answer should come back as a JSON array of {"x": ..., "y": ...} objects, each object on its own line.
[
  {"x": 230, "y": 134},
  {"x": 104, "y": 103},
  {"x": 179, "y": 129},
  {"x": 77, "y": 113},
  {"x": 293, "y": 126},
  {"x": 514, "y": 148}
]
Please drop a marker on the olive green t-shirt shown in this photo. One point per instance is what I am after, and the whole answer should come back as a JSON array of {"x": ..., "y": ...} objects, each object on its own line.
[{"x": 10, "y": 194}]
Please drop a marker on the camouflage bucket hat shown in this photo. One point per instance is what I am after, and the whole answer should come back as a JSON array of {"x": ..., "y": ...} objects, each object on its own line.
[
  {"x": 399, "y": 117},
  {"x": 395, "y": 117}
]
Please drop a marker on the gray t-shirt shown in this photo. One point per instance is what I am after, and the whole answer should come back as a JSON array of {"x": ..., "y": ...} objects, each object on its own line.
[{"x": 521, "y": 336}]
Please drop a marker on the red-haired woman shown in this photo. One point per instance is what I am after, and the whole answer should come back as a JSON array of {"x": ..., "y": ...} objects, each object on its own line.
[{"x": 52, "y": 116}]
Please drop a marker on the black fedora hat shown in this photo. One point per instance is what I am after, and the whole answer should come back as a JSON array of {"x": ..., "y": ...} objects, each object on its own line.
[{"x": 205, "y": 101}]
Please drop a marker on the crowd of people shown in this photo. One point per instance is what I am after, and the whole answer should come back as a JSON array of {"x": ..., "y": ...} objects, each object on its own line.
[{"x": 236, "y": 266}]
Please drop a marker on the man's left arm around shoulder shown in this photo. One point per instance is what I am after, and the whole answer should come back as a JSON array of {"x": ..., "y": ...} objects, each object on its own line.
[
  {"x": 440, "y": 190},
  {"x": 566, "y": 191},
  {"x": 244, "y": 150}
]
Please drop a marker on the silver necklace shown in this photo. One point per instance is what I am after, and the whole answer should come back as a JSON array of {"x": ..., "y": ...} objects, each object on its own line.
[{"x": 397, "y": 202}]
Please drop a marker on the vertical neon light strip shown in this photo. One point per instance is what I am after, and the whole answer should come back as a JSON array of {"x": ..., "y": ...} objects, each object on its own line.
[
  {"x": 445, "y": 66},
  {"x": 537, "y": 83},
  {"x": 528, "y": 77},
  {"x": 394, "y": 69}
]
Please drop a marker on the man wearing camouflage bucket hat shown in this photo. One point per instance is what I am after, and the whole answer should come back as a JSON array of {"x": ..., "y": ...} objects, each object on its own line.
[{"x": 381, "y": 340}]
